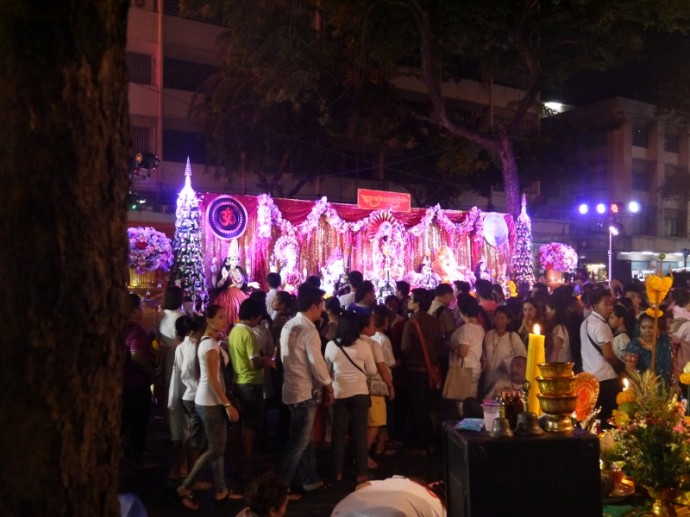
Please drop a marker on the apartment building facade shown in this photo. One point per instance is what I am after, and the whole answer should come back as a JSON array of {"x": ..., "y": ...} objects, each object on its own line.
[{"x": 622, "y": 150}]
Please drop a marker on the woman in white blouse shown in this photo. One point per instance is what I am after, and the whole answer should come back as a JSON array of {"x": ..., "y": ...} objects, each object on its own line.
[
  {"x": 350, "y": 360},
  {"x": 500, "y": 346},
  {"x": 214, "y": 408}
]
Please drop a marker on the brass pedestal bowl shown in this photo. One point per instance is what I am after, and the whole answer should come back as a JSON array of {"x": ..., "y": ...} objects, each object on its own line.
[
  {"x": 557, "y": 397},
  {"x": 557, "y": 386},
  {"x": 558, "y": 409},
  {"x": 556, "y": 370}
]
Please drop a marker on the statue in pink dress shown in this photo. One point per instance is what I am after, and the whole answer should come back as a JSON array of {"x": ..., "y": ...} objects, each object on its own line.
[{"x": 230, "y": 283}]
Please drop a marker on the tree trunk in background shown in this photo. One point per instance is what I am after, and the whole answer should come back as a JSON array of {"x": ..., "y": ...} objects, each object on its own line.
[
  {"x": 63, "y": 254},
  {"x": 511, "y": 177}
]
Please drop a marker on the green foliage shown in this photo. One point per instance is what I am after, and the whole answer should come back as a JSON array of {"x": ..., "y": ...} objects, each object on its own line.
[
  {"x": 308, "y": 86},
  {"x": 655, "y": 439}
]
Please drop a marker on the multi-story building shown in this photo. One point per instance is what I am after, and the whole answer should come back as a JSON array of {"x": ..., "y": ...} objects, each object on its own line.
[
  {"x": 622, "y": 150},
  {"x": 170, "y": 57}
]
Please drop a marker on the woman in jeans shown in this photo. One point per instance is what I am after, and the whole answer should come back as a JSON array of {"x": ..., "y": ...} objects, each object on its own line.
[
  {"x": 349, "y": 360},
  {"x": 214, "y": 408}
]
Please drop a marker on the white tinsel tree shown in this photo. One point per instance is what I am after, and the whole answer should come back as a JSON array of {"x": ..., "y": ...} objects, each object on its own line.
[
  {"x": 523, "y": 259},
  {"x": 188, "y": 267}
]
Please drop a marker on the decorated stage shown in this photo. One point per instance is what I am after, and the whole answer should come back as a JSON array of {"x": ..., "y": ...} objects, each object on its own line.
[{"x": 301, "y": 238}]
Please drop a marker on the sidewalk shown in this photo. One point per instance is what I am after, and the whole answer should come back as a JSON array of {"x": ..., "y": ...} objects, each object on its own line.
[{"x": 161, "y": 500}]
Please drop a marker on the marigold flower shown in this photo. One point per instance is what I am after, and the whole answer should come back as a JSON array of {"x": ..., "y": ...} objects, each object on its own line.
[{"x": 625, "y": 396}]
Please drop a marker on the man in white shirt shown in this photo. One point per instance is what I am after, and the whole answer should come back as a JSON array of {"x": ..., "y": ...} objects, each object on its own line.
[
  {"x": 273, "y": 280},
  {"x": 598, "y": 357},
  {"x": 396, "y": 495},
  {"x": 355, "y": 279},
  {"x": 306, "y": 373}
]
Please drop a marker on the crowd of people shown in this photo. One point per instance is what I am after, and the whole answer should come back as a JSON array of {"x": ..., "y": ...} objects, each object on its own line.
[{"x": 354, "y": 371}]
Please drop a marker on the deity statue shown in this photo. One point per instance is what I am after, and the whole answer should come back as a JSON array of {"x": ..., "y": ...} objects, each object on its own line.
[
  {"x": 286, "y": 252},
  {"x": 229, "y": 283},
  {"x": 424, "y": 276},
  {"x": 446, "y": 266},
  {"x": 333, "y": 276},
  {"x": 387, "y": 247}
]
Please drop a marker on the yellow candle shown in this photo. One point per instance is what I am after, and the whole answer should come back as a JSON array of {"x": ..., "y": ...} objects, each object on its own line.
[{"x": 535, "y": 355}]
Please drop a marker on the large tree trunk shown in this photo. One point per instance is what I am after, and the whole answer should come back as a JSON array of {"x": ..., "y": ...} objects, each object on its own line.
[
  {"x": 63, "y": 98},
  {"x": 511, "y": 178}
]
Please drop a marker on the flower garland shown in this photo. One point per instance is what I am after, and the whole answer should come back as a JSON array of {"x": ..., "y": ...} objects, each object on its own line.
[
  {"x": 657, "y": 287},
  {"x": 266, "y": 211},
  {"x": 422, "y": 226},
  {"x": 478, "y": 236},
  {"x": 269, "y": 214},
  {"x": 652, "y": 435},
  {"x": 557, "y": 256},
  {"x": 341, "y": 225},
  {"x": 149, "y": 250}
]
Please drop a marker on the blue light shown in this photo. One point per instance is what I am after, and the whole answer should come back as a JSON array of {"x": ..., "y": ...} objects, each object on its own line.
[
  {"x": 583, "y": 208},
  {"x": 633, "y": 207},
  {"x": 601, "y": 208}
]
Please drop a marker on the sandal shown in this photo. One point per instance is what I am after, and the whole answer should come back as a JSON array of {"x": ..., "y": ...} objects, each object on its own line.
[
  {"x": 229, "y": 495},
  {"x": 323, "y": 486},
  {"x": 202, "y": 486},
  {"x": 187, "y": 499}
]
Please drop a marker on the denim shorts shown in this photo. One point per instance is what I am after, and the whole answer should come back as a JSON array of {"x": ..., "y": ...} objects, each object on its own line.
[{"x": 252, "y": 405}]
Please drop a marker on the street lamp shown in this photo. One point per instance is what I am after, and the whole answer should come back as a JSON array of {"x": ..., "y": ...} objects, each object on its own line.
[
  {"x": 614, "y": 229},
  {"x": 686, "y": 253}
]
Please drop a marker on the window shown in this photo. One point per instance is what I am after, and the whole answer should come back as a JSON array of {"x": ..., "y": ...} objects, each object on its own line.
[
  {"x": 185, "y": 75},
  {"x": 139, "y": 68},
  {"x": 671, "y": 141},
  {"x": 172, "y": 8},
  {"x": 640, "y": 134},
  {"x": 642, "y": 175},
  {"x": 141, "y": 137},
  {"x": 674, "y": 223},
  {"x": 671, "y": 171},
  {"x": 642, "y": 224}
]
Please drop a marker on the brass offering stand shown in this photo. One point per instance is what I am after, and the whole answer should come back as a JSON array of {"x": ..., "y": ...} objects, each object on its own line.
[{"x": 557, "y": 396}]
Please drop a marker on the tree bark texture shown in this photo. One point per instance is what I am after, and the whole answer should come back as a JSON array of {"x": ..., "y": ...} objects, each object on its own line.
[
  {"x": 63, "y": 254},
  {"x": 500, "y": 145}
]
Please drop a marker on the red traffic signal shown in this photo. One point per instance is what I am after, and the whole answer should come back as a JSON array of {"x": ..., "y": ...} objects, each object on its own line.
[{"x": 616, "y": 208}]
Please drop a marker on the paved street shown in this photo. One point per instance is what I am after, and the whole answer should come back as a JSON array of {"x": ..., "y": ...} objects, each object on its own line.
[{"x": 160, "y": 499}]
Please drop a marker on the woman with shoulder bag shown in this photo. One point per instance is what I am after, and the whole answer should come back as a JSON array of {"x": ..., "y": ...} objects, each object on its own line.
[
  {"x": 214, "y": 408},
  {"x": 349, "y": 361},
  {"x": 466, "y": 345}
]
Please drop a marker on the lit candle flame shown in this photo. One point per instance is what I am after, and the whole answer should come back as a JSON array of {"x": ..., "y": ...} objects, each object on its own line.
[
  {"x": 536, "y": 329},
  {"x": 626, "y": 384}
]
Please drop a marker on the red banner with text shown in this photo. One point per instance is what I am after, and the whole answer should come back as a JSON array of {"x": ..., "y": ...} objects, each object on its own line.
[{"x": 381, "y": 200}]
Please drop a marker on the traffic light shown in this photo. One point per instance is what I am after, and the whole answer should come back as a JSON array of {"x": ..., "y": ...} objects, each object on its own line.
[{"x": 616, "y": 208}]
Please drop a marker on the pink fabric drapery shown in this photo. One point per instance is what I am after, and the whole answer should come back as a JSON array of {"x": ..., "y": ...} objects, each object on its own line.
[{"x": 318, "y": 236}]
